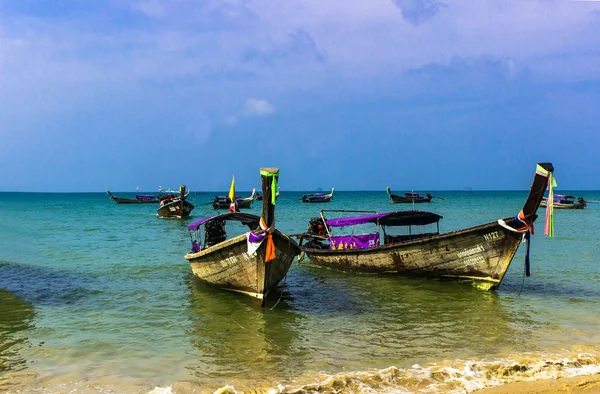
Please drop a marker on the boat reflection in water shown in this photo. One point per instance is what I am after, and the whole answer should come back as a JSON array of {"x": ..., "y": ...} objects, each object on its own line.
[
  {"x": 330, "y": 331},
  {"x": 234, "y": 342},
  {"x": 16, "y": 318}
]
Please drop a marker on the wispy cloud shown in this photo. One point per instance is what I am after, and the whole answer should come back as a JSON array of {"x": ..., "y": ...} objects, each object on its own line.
[
  {"x": 257, "y": 107},
  {"x": 151, "y": 8},
  {"x": 298, "y": 45},
  {"x": 416, "y": 12},
  {"x": 251, "y": 109}
]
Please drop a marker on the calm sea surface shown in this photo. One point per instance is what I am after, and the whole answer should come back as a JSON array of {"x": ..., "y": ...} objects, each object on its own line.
[{"x": 97, "y": 297}]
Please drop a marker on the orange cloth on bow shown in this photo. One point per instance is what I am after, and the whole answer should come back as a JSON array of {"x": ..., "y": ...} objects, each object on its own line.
[{"x": 270, "y": 252}]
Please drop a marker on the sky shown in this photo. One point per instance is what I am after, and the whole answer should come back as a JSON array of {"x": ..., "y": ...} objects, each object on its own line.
[{"x": 411, "y": 94}]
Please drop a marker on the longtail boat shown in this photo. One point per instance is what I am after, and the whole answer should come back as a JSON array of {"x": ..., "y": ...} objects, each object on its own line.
[
  {"x": 251, "y": 263},
  {"x": 173, "y": 205},
  {"x": 409, "y": 197},
  {"x": 318, "y": 197},
  {"x": 565, "y": 202},
  {"x": 223, "y": 202},
  {"x": 139, "y": 199},
  {"x": 404, "y": 242}
]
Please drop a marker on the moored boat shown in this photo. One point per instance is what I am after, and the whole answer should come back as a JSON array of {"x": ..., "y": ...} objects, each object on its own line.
[
  {"x": 139, "y": 199},
  {"x": 224, "y": 202},
  {"x": 482, "y": 253},
  {"x": 251, "y": 263},
  {"x": 318, "y": 197},
  {"x": 173, "y": 205},
  {"x": 409, "y": 197},
  {"x": 565, "y": 202}
]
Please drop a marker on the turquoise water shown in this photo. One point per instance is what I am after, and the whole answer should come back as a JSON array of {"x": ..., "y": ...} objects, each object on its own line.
[{"x": 97, "y": 297}]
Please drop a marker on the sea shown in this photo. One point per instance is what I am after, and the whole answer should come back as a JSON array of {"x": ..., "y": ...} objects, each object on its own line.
[{"x": 97, "y": 297}]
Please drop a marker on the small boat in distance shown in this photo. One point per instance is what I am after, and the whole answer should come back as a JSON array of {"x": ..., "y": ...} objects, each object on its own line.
[
  {"x": 318, "y": 197},
  {"x": 409, "y": 197},
  {"x": 259, "y": 195},
  {"x": 174, "y": 205},
  {"x": 251, "y": 263},
  {"x": 223, "y": 202},
  {"x": 404, "y": 242},
  {"x": 139, "y": 199},
  {"x": 565, "y": 202}
]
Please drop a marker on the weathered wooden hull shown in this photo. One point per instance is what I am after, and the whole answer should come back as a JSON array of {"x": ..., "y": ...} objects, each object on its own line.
[
  {"x": 407, "y": 200},
  {"x": 481, "y": 253},
  {"x": 315, "y": 200},
  {"x": 175, "y": 209},
  {"x": 121, "y": 200},
  {"x": 228, "y": 265}
]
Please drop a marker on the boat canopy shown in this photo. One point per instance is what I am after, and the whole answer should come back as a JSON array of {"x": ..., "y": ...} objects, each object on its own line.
[
  {"x": 252, "y": 221},
  {"x": 399, "y": 218}
]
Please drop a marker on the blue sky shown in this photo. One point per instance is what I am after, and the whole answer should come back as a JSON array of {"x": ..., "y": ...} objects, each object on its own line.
[{"x": 414, "y": 94}]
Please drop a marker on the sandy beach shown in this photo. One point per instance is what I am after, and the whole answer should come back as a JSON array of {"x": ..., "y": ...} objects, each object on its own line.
[{"x": 575, "y": 385}]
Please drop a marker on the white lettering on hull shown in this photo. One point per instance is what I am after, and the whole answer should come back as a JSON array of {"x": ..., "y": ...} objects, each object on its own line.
[
  {"x": 229, "y": 261},
  {"x": 474, "y": 260},
  {"x": 492, "y": 235},
  {"x": 471, "y": 251}
]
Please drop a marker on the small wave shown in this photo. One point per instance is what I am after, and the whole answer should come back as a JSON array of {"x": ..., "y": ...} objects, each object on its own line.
[{"x": 448, "y": 377}]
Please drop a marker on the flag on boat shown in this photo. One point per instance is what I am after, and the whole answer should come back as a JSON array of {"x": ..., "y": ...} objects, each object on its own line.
[{"x": 234, "y": 205}]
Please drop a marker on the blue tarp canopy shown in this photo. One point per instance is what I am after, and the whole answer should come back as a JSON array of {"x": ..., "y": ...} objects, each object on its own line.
[{"x": 399, "y": 218}]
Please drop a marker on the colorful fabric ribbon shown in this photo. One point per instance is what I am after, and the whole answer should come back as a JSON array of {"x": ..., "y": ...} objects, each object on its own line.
[
  {"x": 274, "y": 177},
  {"x": 270, "y": 251},
  {"x": 527, "y": 239},
  {"x": 549, "y": 225},
  {"x": 254, "y": 241}
]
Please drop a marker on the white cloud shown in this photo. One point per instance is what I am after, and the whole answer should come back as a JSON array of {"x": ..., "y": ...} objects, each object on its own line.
[
  {"x": 256, "y": 107},
  {"x": 151, "y": 8}
]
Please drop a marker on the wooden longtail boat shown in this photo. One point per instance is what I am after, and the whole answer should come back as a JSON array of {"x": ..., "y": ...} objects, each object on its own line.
[
  {"x": 565, "y": 202},
  {"x": 223, "y": 202},
  {"x": 318, "y": 197},
  {"x": 409, "y": 197},
  {"x": 251, "y": 263},
  {"x": 481, "y": 253},
  {"x": 175, "y": 206},
  {"x": 139, "y": 199}
]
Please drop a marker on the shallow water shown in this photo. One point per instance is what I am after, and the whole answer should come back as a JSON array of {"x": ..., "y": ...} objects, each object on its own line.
[{"x": 96, "y": 296}]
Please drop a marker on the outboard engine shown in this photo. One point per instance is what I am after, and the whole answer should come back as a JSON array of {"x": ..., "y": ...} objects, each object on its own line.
[{"x": 316, "y": 226}]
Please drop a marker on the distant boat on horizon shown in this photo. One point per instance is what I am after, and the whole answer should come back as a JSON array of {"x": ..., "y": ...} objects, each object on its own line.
[
  {"x": 139, "y": 199},
  {"x": 318, "y": 197}
]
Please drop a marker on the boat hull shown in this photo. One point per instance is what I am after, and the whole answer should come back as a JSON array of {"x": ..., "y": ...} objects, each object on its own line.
[
  {"x": 228, "y": 265},
  {"x": 481, "y": 253},
  {"x": 565, "y": 206},
  {"x": 406, "y": 200},
  {"x": 175, "y": 209},
  {"x": 242, "y": 204},
  {"x": 315, "y": 200},
  {"x": 121, "y": 200}
]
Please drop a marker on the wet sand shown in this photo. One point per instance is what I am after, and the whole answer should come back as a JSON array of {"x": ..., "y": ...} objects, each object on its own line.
[{"x": 589, "y": 384}]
